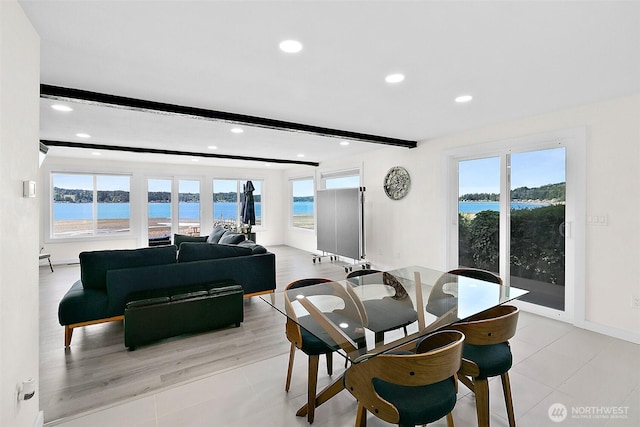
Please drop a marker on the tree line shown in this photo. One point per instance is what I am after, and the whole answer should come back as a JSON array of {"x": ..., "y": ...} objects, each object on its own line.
[
  {"x": 537, "y": 242},
  {"x": 66, "y": 195},
  {"x": 545, "y": 192}
]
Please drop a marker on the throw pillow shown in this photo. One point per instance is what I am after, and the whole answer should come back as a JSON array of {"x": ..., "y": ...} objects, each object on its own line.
[
  {"x": 181, "y": 238},
  {"x": 203, "y": 251},
  {"x": 216, "y": 234},
  {"x": 231, "y": 238},
  {"x": 255, "y": 248}
]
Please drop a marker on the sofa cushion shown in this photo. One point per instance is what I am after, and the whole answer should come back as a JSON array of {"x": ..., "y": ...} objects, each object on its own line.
[
  {"x": 203, "y": 251},
  {"x": 94, "y": 265},
  {"x": 82, "y": 305},
  {"x": 216, "y": 234},
  {"x": 255, "y": 248},
  {"x": 232, "y": 238},
  {"x": 178, "y": 239}
]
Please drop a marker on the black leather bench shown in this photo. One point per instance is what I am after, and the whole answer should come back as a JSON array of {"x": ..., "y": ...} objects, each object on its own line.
[{"x": 163, "y": 313}]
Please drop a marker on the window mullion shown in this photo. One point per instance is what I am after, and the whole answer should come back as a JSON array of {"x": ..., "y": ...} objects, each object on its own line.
[{"x": 95, "y": 205}]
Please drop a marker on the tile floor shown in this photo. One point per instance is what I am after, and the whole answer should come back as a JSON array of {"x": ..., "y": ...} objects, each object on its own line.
[{"x": 595, "y": 377}]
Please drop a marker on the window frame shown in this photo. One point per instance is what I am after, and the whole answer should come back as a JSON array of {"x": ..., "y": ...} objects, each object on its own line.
[
  {"x": 95, "y": 234},
  {"x": 239, "y": 183},
  {"x": 573, "y": 140},
  {"x": 345, "y": 173},
  {"x": 291, "y": 196}
]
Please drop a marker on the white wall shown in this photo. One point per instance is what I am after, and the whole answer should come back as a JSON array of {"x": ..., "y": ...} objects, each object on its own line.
[
  {"x": 413, "y": 230},
  {"x": 19, "y": 128},
  {"x": 67, "y": 250}
]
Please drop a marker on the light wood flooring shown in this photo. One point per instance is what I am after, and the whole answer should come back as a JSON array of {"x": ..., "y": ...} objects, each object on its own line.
[{"x": 97, "y": 370}]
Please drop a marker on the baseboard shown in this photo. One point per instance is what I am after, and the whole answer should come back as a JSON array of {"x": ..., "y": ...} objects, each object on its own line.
[
  {"x": 39, "y": 421},
  {"x": 610, "y": 331}
]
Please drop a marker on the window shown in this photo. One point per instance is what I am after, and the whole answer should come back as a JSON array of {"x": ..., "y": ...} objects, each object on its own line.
[
  {"x": 518, "y": 205},
  {"x": 189, "y": 207},
  {"x": 159, "y": 208},
  {"x": 90, "y": 205},
  {"x": 228, "y": 196},
  {"x": 341, "y": 179},
  {"x": 302, "y": 203}
]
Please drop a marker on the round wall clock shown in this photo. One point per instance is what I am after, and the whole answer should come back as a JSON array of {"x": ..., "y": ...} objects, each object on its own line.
[{"x": 396, "y": 183}]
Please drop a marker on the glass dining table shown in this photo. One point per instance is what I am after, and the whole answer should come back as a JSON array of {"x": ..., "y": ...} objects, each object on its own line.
[{"x": 385, "y": 311}]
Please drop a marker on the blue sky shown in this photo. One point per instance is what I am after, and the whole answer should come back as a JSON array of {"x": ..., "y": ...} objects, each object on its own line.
[
  {"x": 528, "y": 169},
  {"x": 303, "y": 188},
  {"x": 85, "y": 182}
]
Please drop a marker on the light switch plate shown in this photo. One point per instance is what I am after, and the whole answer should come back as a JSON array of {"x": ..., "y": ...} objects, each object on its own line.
[{"x": 28, "y": 188}]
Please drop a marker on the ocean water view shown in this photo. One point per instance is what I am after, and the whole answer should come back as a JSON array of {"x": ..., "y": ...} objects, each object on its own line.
[
  {"x": 227, "y": 210},
  {"x": 475, "y": 207},
  {"x": 83, "y": 211}
]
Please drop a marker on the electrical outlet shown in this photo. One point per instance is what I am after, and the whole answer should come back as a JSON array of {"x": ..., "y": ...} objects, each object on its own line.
[{"x": 635, "y": 302}]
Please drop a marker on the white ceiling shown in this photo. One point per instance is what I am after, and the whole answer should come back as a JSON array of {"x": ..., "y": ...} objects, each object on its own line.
[{"x": 516, "y": 58}]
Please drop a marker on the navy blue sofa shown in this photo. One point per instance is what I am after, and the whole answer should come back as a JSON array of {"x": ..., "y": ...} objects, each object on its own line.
[{"x": 108, "y": 277}]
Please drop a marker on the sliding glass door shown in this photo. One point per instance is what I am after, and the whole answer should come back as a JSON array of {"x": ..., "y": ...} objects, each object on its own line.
[
  {"x": 512, "y": 219},
  {"x": 537, "y": 225}
]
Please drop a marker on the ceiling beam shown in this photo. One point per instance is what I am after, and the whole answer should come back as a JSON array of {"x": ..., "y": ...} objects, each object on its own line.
[
  {"x": 96, "y": 98},
  {"x": 50, "y": 143}
]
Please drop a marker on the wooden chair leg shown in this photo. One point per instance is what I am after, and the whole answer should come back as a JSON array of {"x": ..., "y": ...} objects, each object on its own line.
[
  {"x": 361, "y": 416},
  {"x": 450, "y": 420},
  {"x": 312, "y": 382},
  {"x": 481, "y": 386},
  {"x": 68, "y": 332},
  {"x": 292, "y": 353},
  {"x": 329, "y": 357},
  {"x": 506, "y": 388}
]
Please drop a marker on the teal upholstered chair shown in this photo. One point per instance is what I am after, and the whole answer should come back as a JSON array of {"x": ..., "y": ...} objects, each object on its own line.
[
  {"x": 476, "y": 273},
  {"x": 441, "y": 303},
  {"x": 487, "y": 354},
  {"x": 409, "y": 389},
  {"x": 306, "y": 338},
  {"x": 383, "y": 314}
]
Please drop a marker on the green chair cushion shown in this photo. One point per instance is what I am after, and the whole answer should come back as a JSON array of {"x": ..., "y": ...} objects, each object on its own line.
[
  {"x": 492, "y": 360},
  {"x": 419, "y": 405}
]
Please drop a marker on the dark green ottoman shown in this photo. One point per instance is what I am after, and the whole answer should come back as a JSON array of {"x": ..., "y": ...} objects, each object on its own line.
[{"x": 163, "y": 313}]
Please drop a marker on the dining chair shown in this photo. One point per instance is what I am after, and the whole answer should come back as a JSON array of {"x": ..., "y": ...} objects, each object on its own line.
[
  {"x": 477, "y": 273},
  {"x": 409, "y": 389},
  {"x": 442, "y": 303},
  {"x": 386, "y": 313},
  {"x": 487, "y": 354},
  {"x": 306, "y": 338}
]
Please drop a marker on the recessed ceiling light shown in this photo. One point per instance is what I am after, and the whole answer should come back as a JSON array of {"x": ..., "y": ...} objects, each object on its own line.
[
  {"x": 237, "y": 130},
  {"x": 195, "y": 160},
  {"x": 344, "y": 143},
  {"x": 300, "y": 155},
  {"x": 212, "y": 147},
  {"x": 464, "y": 98},
  {"x": 290, "y": 46},
  {"x": 394, "y": 78},
  {"x": 60, "y": 107},
  {"x": 95, "y": 153},
  {"x": 83, "y": 135}
]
